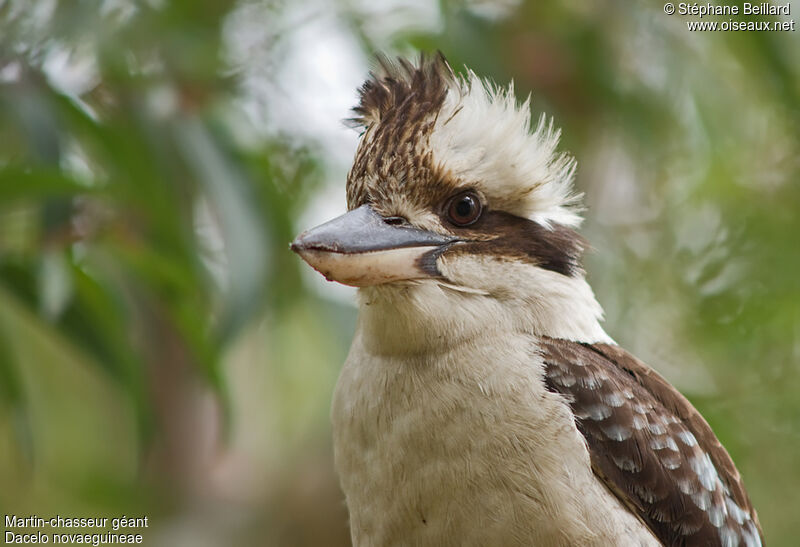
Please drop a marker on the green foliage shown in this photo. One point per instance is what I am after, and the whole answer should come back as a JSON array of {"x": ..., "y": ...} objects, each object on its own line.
[{"x": 134, "y": 229}]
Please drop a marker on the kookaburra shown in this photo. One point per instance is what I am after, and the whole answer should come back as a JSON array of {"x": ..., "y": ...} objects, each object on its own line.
[{"x": 482, "y": 403}]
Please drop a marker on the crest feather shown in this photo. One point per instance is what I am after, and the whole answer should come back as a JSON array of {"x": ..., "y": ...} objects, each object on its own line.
[
  {"x": 481, "y": 136},
  {"x": 393, "y": 83}
]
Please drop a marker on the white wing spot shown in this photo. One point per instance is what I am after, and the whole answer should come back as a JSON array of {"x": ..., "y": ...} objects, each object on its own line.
[
  {"x": 728, "y": 537},
  {"x": 751, "y": 537},
  {"x": 688, "y": 486},
  {"x": 591, "y": 382},
  {"x": 626, "y": 464},
  {"x": 671, "y": 444},
  {"x": 705, "y": 471},
  {"x": 702, "y": 499},
  {"x": 716, "y": 514},
  {"x": 613, "y": 399},
  {"x": 670, "y": 461},
  {"x": 567, "y": 381},
  {"x": 598, "y": 412},
  {"x": 616, "y": 432},
  {"x": 658, "y": 443},
  {"x": 687, "y": 438},
  {"x": 735, "y": 511}
]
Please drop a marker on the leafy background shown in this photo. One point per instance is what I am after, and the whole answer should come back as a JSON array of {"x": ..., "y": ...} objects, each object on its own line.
[{"x": 163, "y": 354}]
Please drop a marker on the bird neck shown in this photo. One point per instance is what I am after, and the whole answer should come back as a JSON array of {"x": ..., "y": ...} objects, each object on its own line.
[{"x": 430, "y": 317}]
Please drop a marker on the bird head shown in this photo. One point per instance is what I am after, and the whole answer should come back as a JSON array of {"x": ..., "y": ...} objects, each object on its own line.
[{"x": 455, "y": 200}]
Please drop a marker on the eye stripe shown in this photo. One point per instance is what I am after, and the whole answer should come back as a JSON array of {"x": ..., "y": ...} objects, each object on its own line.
[{"x": 556, "y": 248}]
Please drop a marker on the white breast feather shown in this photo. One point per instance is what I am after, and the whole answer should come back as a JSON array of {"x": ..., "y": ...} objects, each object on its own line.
[{"x": 464, "y": 446}]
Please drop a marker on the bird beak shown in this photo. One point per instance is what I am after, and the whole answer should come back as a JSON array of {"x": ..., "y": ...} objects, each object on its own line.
[{"x": 361, "y": 248}]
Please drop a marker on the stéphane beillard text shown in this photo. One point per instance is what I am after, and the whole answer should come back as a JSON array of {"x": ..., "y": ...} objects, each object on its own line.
[{"x": 763, "y": 8}]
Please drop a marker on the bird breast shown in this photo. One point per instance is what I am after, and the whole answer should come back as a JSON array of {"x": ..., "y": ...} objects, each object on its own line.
[{"x": 466, "y": 446}]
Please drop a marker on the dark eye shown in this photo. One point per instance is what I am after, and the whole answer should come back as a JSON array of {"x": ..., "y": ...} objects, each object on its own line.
[{"x": 464, "y": 209}]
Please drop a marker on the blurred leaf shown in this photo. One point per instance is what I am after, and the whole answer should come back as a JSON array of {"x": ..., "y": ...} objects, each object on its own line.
[
  {"x": 55, "y": 285},
  {"x": 26, "y": 183},
  {"x": 246, "y": 250},
  {"x": 12, "y": 398}
]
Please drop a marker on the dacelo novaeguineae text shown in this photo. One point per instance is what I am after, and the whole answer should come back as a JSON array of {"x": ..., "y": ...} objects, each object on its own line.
[{"x": 482, "y": 403}]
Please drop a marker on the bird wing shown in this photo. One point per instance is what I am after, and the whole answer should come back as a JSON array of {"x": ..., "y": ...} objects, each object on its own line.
[{"x": 650, "y": 446}]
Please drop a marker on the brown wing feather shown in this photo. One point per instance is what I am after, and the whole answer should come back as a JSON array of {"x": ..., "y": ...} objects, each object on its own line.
[{"x": 651, "y": 447}]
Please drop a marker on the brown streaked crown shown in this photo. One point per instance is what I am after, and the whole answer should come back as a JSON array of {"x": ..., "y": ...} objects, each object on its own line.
[
  {"x": 398, "y": 108},
  {"x": 399, "y": 85}
]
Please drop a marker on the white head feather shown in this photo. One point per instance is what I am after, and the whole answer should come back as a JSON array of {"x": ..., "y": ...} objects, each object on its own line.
[{"x": 482, "y": 135}]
